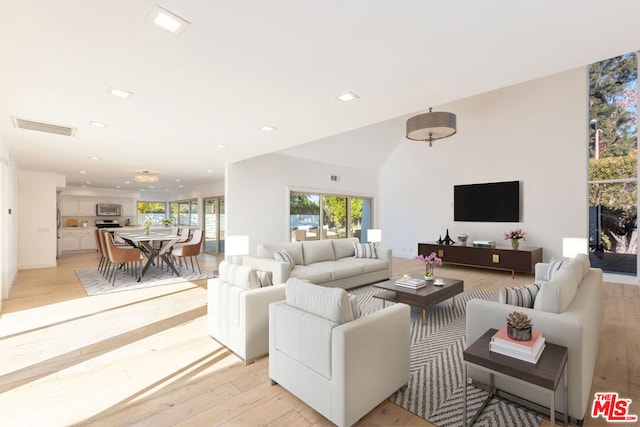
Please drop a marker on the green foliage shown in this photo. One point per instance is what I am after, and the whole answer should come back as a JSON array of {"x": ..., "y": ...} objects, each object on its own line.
[
  {"x": 613, "y": 105},
  {"x": 151, "y": 207},
  {"x": 304, "y": 204}
]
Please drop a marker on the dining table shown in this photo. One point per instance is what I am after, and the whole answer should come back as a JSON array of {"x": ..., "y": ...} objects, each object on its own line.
[{"x": 145, "y": 242}]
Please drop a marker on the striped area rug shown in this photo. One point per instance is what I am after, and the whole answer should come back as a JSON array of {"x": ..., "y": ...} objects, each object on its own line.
[{"x": 435, "y": 390}]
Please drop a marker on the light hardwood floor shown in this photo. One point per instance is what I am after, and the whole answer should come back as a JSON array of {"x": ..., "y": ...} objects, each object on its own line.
[{"x": 144, "y": 358}]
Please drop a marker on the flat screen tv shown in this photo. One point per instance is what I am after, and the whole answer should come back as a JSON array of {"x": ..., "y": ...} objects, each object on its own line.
[{"x": 489, "y": 202}]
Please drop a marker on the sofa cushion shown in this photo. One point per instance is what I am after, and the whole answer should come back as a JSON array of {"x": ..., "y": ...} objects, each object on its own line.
[
  {"x": 294, "y": 249},
  {"x": 365, "y": 250},
  {"x": 583, "y": 260},
  {"x": 556, "y": 295},
  {"x": 284, "y": 256},
  {"x": 338, "y": 270},
  {"x": 368, "y": 265},
  {"x": 329, "y": 303},
  {"x": 310, "y": 273},
  {"x": 238, "y": 275},
  {"x": 522, "y": 296},
  {"x": 317, "y": 251},
  {"x": 343, "y": 248}
]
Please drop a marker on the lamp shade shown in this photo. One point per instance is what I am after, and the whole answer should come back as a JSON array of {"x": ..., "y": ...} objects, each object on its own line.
[
  {"x": 374, "y": 235},
  {"x": 236, "y": 245},
  {"x": 571, "y": 246},
  {"x": 431, "y": 126}
]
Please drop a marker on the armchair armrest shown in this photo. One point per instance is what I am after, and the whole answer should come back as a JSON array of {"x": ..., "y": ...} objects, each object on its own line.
[{"x": 280, "y": 270}]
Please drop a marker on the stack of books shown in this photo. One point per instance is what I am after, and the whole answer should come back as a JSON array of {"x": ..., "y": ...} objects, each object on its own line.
[
  {"x": 409, "y": 282},
  {"x": 529, "y": 351}
]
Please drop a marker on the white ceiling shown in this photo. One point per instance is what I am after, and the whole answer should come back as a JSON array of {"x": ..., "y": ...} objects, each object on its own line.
[{"x": 244, "y": 64}]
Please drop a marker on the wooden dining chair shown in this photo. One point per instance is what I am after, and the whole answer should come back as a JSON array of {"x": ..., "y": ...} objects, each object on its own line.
[
  {"x": 129, "y": 258},
  {"x": 189, "y": 249},
  {"x": 103, "y": 249},
  {"x": 99, "y": 247}
]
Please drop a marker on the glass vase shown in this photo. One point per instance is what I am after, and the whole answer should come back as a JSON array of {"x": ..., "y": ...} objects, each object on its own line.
[
  {"x": 515, "y": 243},
  {"x": 428, "y": 273}
]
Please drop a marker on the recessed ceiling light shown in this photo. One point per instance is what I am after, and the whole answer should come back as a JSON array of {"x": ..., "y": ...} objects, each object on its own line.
[
  {"x": 83, "y": 186},
  {"x": 348, "y": 96},
  {"x": 168, "y": 21},
  {"x": 267, "y": 128},
  {"x": 120, "y": 93},
  {"x": 222, "y": 146},
  {"x": 151, "y": 186},
  {"x": 178, "y": 180},
  {"x": 209, "y": 171},
  {"x": 87, "y": 182},
  {"x": 180, "y": 186},
  {"x": 98, "y": 124},
  {"x": 117, "y": 186},
  {"x": 127, "y": 182},
  {"x": 83, "y": 172},
  {"x": 95, "y": 158}
]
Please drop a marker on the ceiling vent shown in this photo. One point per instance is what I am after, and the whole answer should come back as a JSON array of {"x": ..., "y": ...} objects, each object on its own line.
[{"x": 43, "y": 127}]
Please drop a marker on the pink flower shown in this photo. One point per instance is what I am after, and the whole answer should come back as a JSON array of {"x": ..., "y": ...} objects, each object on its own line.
[
  {"x": 431, "y": 259},
  {"x": 516, "y": 233}
]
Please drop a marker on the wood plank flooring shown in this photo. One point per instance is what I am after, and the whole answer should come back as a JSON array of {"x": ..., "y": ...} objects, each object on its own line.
[{"x": 144, "y": 358}]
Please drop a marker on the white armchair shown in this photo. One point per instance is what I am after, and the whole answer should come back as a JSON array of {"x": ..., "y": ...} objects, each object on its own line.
[
  {"x": 238, "y": 310},
  {"x": 340, "y": 366}
]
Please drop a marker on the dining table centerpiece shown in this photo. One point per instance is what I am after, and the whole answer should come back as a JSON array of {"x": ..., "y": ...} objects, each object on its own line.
[
  {"x": 147, "y": 227},
  {"x": 429, "y": 261},
  {"x": 515, "y": 235}
]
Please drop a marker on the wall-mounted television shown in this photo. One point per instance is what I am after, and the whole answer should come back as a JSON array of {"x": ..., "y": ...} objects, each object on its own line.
[{"x": 488, "y": 202}]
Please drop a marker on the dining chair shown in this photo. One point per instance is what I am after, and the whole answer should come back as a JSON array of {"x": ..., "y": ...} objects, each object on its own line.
[
  {"x": 189, "y": 249},
  {"x": 106, "y": 265},
  {"x": 123, "y": 257},
  {"x": 99, "y": 247}
]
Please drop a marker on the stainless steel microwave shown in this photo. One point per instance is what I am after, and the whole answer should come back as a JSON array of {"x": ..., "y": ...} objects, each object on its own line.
[{"x": 107, "y": 209}]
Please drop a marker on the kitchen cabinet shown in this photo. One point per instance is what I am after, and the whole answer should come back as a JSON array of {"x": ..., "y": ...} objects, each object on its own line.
[
  {"x": 77, "y": 206},
  {"x": 77, "y": 241}
]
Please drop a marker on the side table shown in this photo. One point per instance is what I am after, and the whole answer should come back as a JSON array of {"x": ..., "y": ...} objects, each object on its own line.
[{"x": 545, "y": 374}]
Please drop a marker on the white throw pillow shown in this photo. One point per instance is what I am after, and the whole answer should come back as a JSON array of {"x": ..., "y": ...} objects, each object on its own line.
[
  {"x": 556, "y": 295},
  {"x": 329, "y": 303},
  {"x": 246, "y": 277},
  {"x": 554, "y": 266}
]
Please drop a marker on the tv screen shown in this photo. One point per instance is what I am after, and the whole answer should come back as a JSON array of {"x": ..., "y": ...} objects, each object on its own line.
[{"x": 490, "y": 202}]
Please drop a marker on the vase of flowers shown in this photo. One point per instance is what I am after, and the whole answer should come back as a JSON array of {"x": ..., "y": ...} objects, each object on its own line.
[
  {"x": 429, "y": 262},
  {"x": 515, "y": 235},
  {"x": 147, "y": 227}
]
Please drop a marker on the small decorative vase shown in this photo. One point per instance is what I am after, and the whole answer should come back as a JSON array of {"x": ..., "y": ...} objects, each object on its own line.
[
  {"x": 519, "y": 334},
  {"x": 428, "y": 274},
  {"x": 515, "y": 243},
  {"x": 147, "y": 230}
]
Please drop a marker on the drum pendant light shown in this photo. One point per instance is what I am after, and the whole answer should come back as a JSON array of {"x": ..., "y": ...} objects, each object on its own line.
[{"x": 431, "y": 126}]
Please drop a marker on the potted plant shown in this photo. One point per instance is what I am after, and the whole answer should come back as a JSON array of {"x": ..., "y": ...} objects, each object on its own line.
[
  {"x": 429, "y": 262},
  {"x": 519, "y": 326}
]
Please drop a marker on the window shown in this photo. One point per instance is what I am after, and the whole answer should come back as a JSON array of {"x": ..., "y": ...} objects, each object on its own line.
[
  {"x": 327, "y": 216},
  {"x": 613, "y": 164},
  {"x": 185, "y": 212},
  {"x": 154, "y": 211}
]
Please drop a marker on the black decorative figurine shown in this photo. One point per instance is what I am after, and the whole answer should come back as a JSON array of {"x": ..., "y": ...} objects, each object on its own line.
[
  {"x": 448, "y": 240},
  {"x": 440, "y": 241}
]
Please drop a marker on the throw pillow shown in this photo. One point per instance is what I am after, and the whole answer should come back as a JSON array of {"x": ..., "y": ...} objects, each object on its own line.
[
  {"x": 284, "y": 256},
  {"x": 554, "y": 266},
  {"x": 244, "y": 277},
  {"x": 522, "y": 296},
  {"x": 365, "y": 250},
  {"x": 265, "y": 278}
]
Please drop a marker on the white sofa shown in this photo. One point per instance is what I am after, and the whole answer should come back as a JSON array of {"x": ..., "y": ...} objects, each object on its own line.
[
  {"x": 238, "y": 310},
  {"x": 340, "y": 367},
  {"x": 329, "y": 262},
  {"x": 568, "y": 311}
]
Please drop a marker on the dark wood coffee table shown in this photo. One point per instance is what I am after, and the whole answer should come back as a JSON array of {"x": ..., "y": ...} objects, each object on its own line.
[{"x": 424, "y": 297}]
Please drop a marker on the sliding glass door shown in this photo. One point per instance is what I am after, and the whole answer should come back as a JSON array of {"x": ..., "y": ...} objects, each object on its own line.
[{"x": 214, "y": 225}]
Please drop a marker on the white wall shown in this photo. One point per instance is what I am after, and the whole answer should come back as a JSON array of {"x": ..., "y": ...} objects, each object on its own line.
[
  {"x": 36, "y": 219},
  {"x": 535, "y": 132},
  {"x": 257, "y": 202},
  {"x": 8, "y": 222}
]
